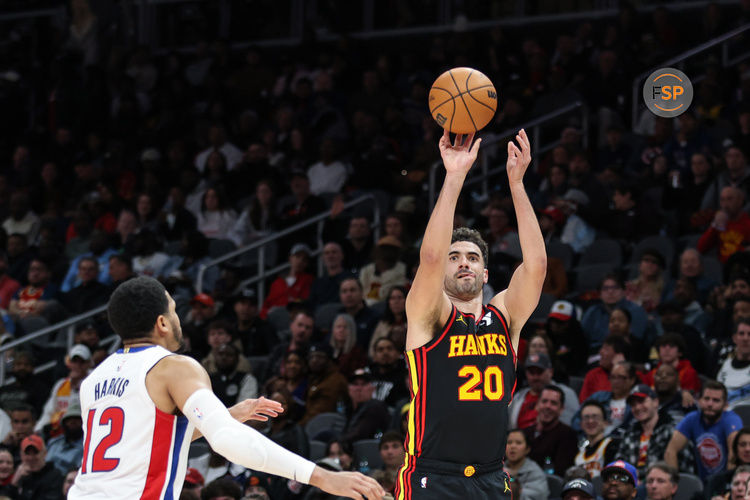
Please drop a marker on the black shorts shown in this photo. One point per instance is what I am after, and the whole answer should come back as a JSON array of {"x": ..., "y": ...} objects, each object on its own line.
[{"x": 430, "y": 480}]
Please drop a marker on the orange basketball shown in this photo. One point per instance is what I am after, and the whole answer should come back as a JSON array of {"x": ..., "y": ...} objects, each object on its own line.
[{"x": 462, "y": 100}]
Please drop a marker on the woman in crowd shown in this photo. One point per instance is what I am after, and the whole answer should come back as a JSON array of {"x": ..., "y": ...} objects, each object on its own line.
[
  {"x": 258, "y": 219},
  {"x": 7, "y": 469},
  {"x": 146, "y": 212},
  {"x": 520, "y": 468},
  {"x": 393, "y": 324},
  {"x": 342, "y": 452},
  {"x": 347, "y": 354},
  {"x": 620, "y": 321},
  {"x": 215, "y": 219}
]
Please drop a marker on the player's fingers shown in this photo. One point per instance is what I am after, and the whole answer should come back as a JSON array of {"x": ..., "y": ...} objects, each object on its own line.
[
  {"x": 469, "y": 140},
  {"x": 475, "y": 147}
]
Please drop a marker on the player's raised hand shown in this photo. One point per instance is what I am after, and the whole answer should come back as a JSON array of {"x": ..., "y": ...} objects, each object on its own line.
[
  {"x": 461, "y": 155},
  {"x": 256, "y": 409},
  {"x": 518, "y": 159},
  {"x": 347, "y": 484}
]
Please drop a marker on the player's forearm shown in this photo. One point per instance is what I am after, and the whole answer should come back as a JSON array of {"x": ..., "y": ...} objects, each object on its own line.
[
  {"x": 529, "y": 234},
  {"x": 437, "y": 236}
]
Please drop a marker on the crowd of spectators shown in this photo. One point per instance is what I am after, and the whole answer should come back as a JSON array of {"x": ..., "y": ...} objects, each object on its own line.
[{"x": 144, "y": 163}]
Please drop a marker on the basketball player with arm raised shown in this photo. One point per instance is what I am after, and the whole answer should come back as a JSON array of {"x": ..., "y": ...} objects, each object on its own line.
[
  {"x": 461, "y": 354},
  {"x": 143, "y": 404}
]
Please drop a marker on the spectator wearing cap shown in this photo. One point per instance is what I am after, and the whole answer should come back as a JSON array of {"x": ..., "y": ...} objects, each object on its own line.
[
  {"x": 709, "y": 432},
  {"x": 325, "y": 288},
  {"x": 521, "y": 469},
  {"x": 256, "y": 486},
  {"x": 222, "y": 488},
  {"x": 646, "y": 438},
  {"x": 662, "y": 481},
  {"x": 384, "y": 272},
  {"x": 8, "y": 285},
  {"x": 565, "y": 333},
  {"x": 257, "y": 335},
  {"x": 578, "y": 489},
  {"x": 327, "y": 385},
  {"x": 734, "y": 373},
  {"x": 613, "y": 350},
  {"x": 65, "y": 390},
  {"x": 66, "y": 451},
  {"x": 576, "y": 232},
  {"x": 219, "y": 332},
  {"x": 619, "y": 481},
  {"x": 549, "y": 438},
  {"x": 35, "y": 478},
  {"x": 670, "y": 348},
  {"x": 193, "y": 481},
  {"x": 730, "y": 229},
  {"x": 646, "y": 289},
  {"x": 597, "y": 449},
  {"x": 202, "y": 312},
  {"x": 295, "y": 286},
  {"x": 595, "y": 321},
  {"x": 539, "y": 374},
  {"x": 366, "y": 416},
  {"x": 230, "y": 384},
  {"x": 346, "y": 353},
  {"x": 27, "y": 388},
  {"x": 351, "y": 296},
  {"x": 388, "y": 372},
  {"x": 89, "y": 293}
]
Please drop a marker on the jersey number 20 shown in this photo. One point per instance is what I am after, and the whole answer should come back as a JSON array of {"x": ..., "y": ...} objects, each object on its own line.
[
  {"x": 114, "y": 418},
  {"x": 492, "y": 388}
]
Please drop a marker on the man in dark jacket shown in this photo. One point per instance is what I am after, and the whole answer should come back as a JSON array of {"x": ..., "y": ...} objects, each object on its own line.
[
  {"x": 35, "y": 478},
  {"x": 368, "y": 415}
]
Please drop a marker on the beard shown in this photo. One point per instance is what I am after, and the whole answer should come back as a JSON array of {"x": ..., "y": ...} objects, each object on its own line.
[
  {"x": 463, "y": 288},
  {"x": 711, "y": 417}
]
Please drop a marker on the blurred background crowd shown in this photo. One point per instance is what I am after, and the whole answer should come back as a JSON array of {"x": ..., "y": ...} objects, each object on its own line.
[{"x": 123, "y": 157}]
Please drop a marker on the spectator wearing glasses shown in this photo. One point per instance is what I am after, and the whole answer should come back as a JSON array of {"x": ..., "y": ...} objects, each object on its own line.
[
  {"x": 597, "y": 449},
  {"x": 620, "y": 480}
]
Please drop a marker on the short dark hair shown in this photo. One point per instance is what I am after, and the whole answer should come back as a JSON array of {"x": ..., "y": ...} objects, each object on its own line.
[
  {"x": 674, "y": 339},
  {"x": 736, "y": 444},
  {"x": 520, "y": 431},
  {"x": 135, "y": 306},
  {"x": 613, "y": 277},
  {"x": 389, "y": 437},
  {"x": 123, "y": 258},
  {"x": 221, "y": 324},
  {"x": 714, "y": 385},
  {"x": 221, "y": 487},
  {"x": 674, "y": 474},
  {"x": 23, "y": 407},
  {"x": 617, "y": 343},
  {"x": 472, "y": 236},
  {"x": 553, "y": 387},
  {"x": 598, "y": 404},
  {"x": 740, "y": 321},
  {"x": 630, "y": 369}
]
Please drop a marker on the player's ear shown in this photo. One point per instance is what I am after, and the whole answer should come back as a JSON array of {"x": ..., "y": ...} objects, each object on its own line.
[
  {"x": 162, "y": 325},
  {"x": 486, "y": 275}
]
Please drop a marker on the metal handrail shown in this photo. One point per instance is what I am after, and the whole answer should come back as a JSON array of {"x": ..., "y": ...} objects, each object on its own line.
[
  {"x": 261, "y": 244},
  {"x": 721, "y": 39},
  {"x": 68, "y": 323},
  {"x": 533, "y": 125}
]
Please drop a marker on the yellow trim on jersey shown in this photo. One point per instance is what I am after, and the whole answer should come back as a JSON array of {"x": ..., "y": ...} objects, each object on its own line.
[
  {"x": 402, "y": 479},
  {"x": 412, "y": 414}
]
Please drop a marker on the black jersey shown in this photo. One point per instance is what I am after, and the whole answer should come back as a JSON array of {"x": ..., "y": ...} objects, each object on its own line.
[{"x": 461, "y": 383}]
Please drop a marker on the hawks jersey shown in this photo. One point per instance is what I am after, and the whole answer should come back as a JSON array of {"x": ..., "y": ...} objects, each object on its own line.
[
  {"x": 131, "y": 449},
  {"x": 461, "y": 383}
]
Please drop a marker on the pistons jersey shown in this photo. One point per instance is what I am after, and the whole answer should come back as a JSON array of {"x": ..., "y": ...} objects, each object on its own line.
[
  {"x": 461, "y": 383},
  {"x": 131, "y": 449}
]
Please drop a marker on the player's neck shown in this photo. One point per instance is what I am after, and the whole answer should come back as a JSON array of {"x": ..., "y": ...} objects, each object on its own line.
[
  {"x": 472, "y": 306},
  {"x": 140, "y": 342}
]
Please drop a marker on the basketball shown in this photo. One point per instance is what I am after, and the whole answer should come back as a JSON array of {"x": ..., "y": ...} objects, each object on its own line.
[{"x": 462, "y": 100}]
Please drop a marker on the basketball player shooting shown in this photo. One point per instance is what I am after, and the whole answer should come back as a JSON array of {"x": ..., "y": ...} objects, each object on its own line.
[
  {"x": 460, "y": 354},
  {"x": 142, "y": 405}
]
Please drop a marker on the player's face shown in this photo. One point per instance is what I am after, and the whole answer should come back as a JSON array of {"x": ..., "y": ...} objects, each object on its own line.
[
  {"x": 464, "y": 272},
  {"x": 659, "y": 485},
  {"x": 175, "y": 341},
  {"x": 712, "y": 404}
]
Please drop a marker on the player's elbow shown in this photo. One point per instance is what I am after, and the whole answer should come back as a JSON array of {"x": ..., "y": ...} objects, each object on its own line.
[
  {"x": 233, "y": 445},
  {"x": 430, "y": 257}
]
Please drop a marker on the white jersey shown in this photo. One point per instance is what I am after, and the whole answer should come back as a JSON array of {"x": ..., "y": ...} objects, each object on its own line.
[{"x": 131, "y": 449}]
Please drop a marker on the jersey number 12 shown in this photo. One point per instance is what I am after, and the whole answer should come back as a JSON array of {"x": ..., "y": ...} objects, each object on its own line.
[{"x": 114, "y": 418}]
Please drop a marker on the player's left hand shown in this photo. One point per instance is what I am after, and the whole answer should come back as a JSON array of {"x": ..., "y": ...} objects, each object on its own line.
[
  {"x": 518, "y": 159},
  {"x": 256, "y": 409}
]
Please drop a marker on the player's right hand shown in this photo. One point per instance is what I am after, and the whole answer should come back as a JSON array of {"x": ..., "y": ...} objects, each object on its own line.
[
  {"x": 459, "y": 157},
  {"x": 347, "y": 484}
]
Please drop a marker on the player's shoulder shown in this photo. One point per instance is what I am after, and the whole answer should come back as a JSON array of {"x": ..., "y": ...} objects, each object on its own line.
[{"x": 177, "y": 366}]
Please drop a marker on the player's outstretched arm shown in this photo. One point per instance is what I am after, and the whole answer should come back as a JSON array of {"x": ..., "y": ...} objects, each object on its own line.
[
  {"x": 521, "y": 297},
  {"x": 188, "y": 388},
  {"x": 426, "y": 303}
]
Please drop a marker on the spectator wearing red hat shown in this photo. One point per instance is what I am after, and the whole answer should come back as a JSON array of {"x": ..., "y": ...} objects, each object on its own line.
[
  {"x": 193, "y": 481},
  {"x": 35, "y": 478},
  {"x": 293, "y": 287},
  {"x": 566, "y": 334},
  {"x": 202, "y": 312}
]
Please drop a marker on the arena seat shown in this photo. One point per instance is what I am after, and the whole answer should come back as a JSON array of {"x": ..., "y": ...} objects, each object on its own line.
[
  {"x": 604, "y": 251},
  {"x": 662, "y": 244},
  {"x": 688, "y": 487},
  {"x": 329, "y": 421},
  {"x": 368, "y": 449},
  {"x": 562, "y": 251},
  {"x": 317, "y": 450},
  {"x": 555, "y": 485}
]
